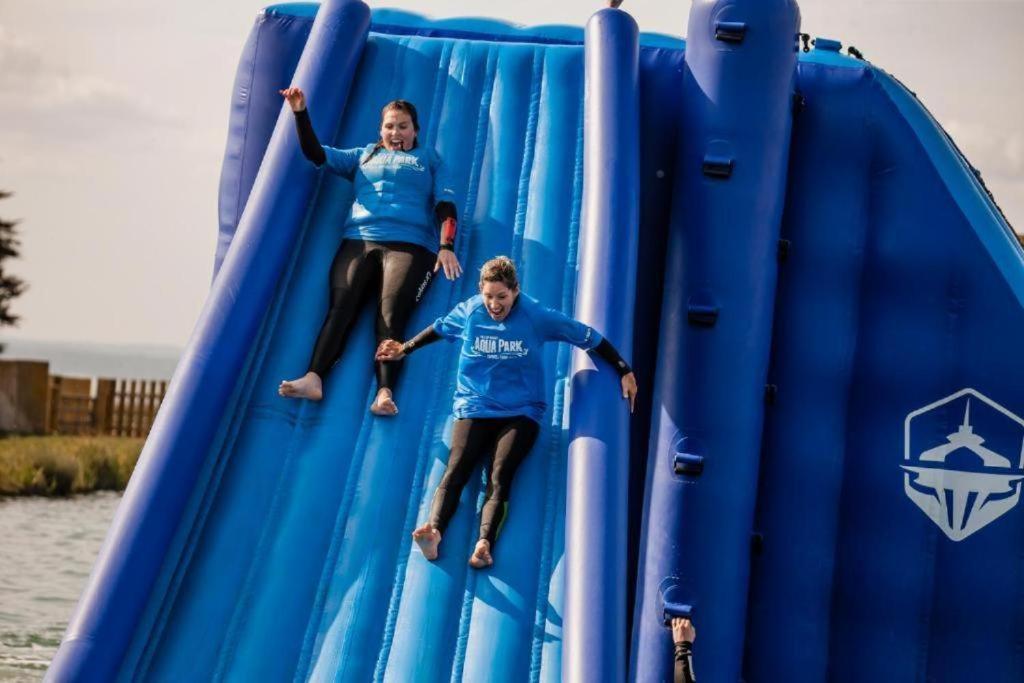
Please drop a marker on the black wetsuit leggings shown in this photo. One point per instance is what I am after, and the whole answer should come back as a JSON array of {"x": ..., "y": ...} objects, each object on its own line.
[
  {"x": 396, "y": 274},
  {"x": 509, "y": 440}
]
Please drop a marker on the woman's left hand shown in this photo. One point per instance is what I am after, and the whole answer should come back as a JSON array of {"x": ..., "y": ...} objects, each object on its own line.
[
  {"x": 390, "y": 350},
  {"x": 629, "y": 390},
  {"x": 446, "y": 259}
]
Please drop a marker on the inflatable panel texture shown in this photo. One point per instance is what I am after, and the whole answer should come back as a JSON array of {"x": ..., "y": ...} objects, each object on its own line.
[{"x": 823, "y": 305}]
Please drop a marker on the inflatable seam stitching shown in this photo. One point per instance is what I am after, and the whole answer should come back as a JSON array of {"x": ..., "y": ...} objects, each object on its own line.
[
  {"x": 427, "y": 436},
  {"x": 479, "y": 149}
]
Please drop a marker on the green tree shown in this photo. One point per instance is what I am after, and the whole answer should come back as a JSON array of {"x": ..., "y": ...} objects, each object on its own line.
[{"x": 11, "y": 286}]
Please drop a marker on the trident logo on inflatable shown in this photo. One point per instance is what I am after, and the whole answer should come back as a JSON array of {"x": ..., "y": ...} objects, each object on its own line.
[{"x": 959, "y": 483}]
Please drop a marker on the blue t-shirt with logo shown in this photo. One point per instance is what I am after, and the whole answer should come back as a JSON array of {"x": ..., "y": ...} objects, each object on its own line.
[
  {"x": 501, "y": 371},
  {"x": 395, "y": 193}
]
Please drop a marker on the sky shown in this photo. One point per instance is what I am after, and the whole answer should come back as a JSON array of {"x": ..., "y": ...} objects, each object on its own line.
[{"x": 115, "y": 112}]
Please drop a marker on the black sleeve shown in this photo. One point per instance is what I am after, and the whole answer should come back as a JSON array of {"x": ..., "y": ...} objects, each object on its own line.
[
  {"x": 444, "y": 211},
  {"x": 684, "y": 663},
  {"x": 311, "y": 148},
  {"x": 427, "y": 336},
  {"x": 606, "y": 351}
]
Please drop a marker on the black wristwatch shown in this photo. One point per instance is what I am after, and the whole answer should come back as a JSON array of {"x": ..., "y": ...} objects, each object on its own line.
[{"x": 446, "y": 247}]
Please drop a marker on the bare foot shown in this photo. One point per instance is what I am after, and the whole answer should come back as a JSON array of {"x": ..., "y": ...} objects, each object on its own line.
[
  {"x": 308, "y": 386},
  {"x": 481, "y": 556},
  {"x": 427, "y": 538},
  {"x": 384, "y": 404}
]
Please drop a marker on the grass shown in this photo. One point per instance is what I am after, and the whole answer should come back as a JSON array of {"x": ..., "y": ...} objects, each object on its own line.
[{"x": 63, "y": 465}]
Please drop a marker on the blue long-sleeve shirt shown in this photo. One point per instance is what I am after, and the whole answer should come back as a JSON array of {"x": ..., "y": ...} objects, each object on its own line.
[
  {"x": 395, "y": 193},
  {"x": 501, "y": 371}
]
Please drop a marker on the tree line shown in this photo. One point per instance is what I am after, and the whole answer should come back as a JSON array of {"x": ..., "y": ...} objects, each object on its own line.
[{"x": 11, "y": 286}]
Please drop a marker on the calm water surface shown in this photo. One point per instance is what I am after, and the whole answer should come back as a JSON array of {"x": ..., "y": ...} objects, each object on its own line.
[{"x": 47, "y": 548}]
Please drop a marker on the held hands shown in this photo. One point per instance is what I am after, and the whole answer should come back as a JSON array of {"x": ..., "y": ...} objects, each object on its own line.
[
  {"x": 295, "y": 97},
  {"x": 629, "y": 390},
  {"x": 389, "y": 350},
  {"x": 446, "y": 259},
  {"x": 683, "y": 630}
]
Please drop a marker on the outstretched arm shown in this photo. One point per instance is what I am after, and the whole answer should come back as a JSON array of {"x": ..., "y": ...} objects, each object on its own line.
[
  {"x": 308, "y": 141},
  {"x": 391, "y": 350},
  {"x": 605, "y": 350}
]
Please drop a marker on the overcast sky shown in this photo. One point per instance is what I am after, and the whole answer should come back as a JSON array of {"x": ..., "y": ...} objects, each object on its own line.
[{"x": 114, "y": 118}]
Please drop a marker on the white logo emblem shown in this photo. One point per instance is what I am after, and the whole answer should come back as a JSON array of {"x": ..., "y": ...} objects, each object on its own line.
[{"x": 960, "y": 484}]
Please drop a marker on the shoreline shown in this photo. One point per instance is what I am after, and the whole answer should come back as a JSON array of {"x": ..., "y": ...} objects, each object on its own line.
[{"x": 61, "y": 466}]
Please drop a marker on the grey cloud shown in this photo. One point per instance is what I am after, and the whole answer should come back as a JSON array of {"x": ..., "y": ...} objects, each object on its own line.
[{"x": 49, "y": 91}]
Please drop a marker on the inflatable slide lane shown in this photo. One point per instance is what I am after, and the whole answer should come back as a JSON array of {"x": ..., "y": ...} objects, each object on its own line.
[
  {"x": 823, "y": 305},
  {"x": 269, "y": 539}
]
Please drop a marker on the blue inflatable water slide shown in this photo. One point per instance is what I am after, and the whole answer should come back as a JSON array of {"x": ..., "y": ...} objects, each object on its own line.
[{"x": 822, "y": 303}]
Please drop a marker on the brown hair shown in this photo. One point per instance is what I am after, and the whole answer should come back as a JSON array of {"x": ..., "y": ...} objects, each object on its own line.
[
  {"x": 396, "y": 105},
  {"x": 500, "y": 269}
]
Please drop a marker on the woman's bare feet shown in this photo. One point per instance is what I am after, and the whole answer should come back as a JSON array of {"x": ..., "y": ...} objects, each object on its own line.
[
  {"x": 384, "y": 404},
  {"x": 308, "y": 386},
  {"x": 481, "y": 556},
  {"x": 427, "y": 538}
]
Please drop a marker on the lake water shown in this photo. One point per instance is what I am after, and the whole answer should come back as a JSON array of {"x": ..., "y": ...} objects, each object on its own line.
[
  {"x": 131, "y": 361},
  {"x": 47, "y": 549}
]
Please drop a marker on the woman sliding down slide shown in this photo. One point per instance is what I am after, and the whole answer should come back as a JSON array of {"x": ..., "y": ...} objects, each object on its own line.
[
  {"x": 390, "y": 245},
  {"x": 499, "y": 397}
]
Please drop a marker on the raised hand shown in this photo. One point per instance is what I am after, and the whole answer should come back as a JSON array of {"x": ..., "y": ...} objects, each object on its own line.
[
  {"x": 295, "y": 97},
  {"x": 683, "y": 631}
]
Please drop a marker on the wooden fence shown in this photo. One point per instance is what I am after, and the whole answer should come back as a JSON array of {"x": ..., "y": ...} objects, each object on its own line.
[{"x": 115, "y": 407}]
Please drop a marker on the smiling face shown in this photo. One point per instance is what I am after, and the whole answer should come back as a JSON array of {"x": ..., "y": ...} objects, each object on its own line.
[
  {"x": 397, "y": 130},
  {"x": 498, "y": 299}
]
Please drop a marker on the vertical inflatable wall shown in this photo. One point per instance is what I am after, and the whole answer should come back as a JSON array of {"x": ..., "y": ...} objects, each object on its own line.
[
  {"x": 715, "y": 332},
  {"x": 888, "y": 503}
]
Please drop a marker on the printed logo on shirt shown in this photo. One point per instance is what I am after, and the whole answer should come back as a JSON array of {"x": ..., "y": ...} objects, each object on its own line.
[
  {"x": 397, "y": 159},
  {"x": 500, "y": 349}
]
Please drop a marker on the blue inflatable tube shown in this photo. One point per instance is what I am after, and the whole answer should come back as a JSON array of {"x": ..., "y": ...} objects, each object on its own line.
[
  {"x": 210, "y": 368},
  {"x": 598, "y": 478},
  {"x": 716, "y": 331},
  {"x": 269, "y": 58}
]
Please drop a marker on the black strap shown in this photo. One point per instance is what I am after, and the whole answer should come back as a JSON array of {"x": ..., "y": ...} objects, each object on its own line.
[
  {"x": 427, "y": 336},
  {"x": 606, "y": 351},
  {"x": 445, "y": 210}
]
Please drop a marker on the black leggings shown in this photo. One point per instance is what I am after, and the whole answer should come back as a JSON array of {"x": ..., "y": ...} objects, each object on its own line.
[
  {"x": 396, "y": 273},
  {"x": 509, "y": 439}
]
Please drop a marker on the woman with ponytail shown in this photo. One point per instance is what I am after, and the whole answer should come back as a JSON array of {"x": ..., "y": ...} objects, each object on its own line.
[
  {"x": 391, "y": 244},
  {"x": 499, "y": 394}
]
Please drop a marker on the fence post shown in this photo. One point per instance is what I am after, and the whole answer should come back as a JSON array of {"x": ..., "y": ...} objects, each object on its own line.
[
  {"x": 103, "y": 408},
  {"x": 53, "y": 413},
  {"x": 119, "y": 394}
]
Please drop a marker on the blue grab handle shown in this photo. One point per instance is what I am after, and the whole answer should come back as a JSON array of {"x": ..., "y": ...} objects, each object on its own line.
[
  {"x": 688, "y": 463},
  {"x": 730, "y": 31},
  {"x": 676, "y": 609}
]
